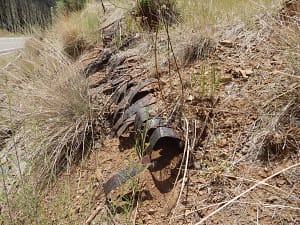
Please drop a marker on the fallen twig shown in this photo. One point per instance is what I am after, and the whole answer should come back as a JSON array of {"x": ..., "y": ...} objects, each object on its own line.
[
  {"x": 245, "y": 192},
  {"x": 94, "y": 214}
]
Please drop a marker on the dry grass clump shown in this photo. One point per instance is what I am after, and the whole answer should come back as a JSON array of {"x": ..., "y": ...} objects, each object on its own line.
[
  {"x": 78, "y": 31},
  {"x": 4, "y": 134},
  {"x": 195, "y": 48},
  {"x": 288, "y": 37},
  {"x": 279, "y": 145},
  {"x": 70, "y": 5},
  {"x": 290, "y": 13},
  {"x": 207, "y": 13},
  {"x": 277, "y": 133},
  {"x": 45, "y": 103},
  {"x": 280, "y": 132},
  {"x": 72, "y": 39}
]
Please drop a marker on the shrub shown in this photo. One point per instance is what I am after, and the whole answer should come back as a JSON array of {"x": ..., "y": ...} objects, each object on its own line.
[{"x": 154, "y": 12}]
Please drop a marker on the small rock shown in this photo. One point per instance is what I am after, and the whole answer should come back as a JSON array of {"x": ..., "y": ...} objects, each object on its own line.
[
  {"x": 98, "y": 175},
  {"x": 140, "y": 221},
  {"x": 280, "y": 182},
  {"x": 226, "y": 78},
  {"x": 187, "y": 212},
  {"x": 262, "y": 174},
  {"x": 96, "y": 184},
  {"x": 201, "y": 193},
  {"x": 223, "y": 143},
  {"x": 244, "y": 74},
  {"x": 185, "y": 202},
  {"x": 197, "y": 165},
  {"x": 227, "y": 43},
  {"x": 190, "y": 98},
  {"x": 228, "y": 123},
  {"x": 81, "y": 192},
  {"x": 148, "y": 218},
  {"x": 151, "y": 211},
  {"x": 273, "y": 199},
  {"x": 98, "y": 145},
  {"x": 77, "y": 210},
  {"x": 239, "y": 72},
  {"x": 249, "y": 72}
]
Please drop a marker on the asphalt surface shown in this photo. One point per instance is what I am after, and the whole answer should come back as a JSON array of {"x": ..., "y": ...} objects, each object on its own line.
[
  {"x": 8, "y": 45},
  {"x": 11, "y": 164}
]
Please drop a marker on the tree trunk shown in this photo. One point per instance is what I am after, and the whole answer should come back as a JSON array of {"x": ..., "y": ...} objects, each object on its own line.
[{"x": 22, "y": 15}]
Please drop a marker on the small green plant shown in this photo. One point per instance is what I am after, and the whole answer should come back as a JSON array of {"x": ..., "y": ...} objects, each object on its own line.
[
  {"x": 206, "y": 83},
  {"x": 126, "y": 201},
  {"x": 22, "y": 206},
  {"x": 129, "y": 193},
  {"x": 141, "y": 143},
  {"x": 214, "y": 82},
  {"x": 117, "y": 40}
]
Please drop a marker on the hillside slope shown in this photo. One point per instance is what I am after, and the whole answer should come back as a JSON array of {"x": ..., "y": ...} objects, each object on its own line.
[{"x": 229, "y": 87}]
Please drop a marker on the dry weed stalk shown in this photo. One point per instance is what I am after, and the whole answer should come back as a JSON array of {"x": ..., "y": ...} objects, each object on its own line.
[
  {"x": 188, "y": 148},
  {"x": 156, "y": 65},
  {"x": 175, "y": 59}
]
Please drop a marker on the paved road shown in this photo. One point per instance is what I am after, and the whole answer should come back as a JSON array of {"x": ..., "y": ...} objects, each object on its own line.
[
  {"x": 10, "y": 166},
  {"x": 8, "y": 45}
]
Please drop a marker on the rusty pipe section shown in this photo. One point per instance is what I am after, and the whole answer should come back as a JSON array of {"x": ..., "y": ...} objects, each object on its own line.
[{"x": 136, "y": 107}]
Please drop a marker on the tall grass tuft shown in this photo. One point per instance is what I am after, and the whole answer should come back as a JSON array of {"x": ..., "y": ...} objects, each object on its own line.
[{"x": 45, "y": 103}]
